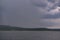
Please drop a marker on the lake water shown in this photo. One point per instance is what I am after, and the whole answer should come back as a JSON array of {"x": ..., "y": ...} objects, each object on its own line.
[{"x": 29, "y": 35}]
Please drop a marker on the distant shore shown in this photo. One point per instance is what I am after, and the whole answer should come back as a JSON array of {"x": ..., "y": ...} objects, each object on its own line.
[{"x": 10, "y": 28}]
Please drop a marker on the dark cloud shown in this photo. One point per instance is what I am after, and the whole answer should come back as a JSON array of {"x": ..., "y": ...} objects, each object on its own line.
[
  {"x": 49, "y": 16},
  {"x": 39, "y": 3},
  {"x": 55, "y": 2},
  {"x": 53, "y": 7},
  {"x": 24, "y": 13},
  {"x": 58, "y": 4},
  {"x": 20, "y": 13},
  {"x": 51, "y": 1}
]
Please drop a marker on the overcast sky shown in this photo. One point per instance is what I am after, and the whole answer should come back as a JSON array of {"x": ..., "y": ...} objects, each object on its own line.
[{"x": 31, "y": 13}]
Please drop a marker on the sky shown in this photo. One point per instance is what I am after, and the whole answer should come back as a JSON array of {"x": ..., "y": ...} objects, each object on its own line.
[{"x": 30, "y": 13}]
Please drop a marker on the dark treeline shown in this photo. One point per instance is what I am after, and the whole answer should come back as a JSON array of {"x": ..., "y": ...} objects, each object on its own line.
[{"x": 10, "y": 28}]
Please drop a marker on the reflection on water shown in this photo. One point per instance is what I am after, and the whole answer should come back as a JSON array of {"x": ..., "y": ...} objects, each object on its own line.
[{"x": 29, "y": 35}]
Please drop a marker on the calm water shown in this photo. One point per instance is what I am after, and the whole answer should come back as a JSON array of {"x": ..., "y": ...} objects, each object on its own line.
[{"x": 29, "y": 35}]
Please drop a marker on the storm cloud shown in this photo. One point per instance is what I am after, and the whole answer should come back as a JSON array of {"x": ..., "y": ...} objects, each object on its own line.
[
  {"x": 49, "y": 16},
  {"x": 29, "y": 13}
]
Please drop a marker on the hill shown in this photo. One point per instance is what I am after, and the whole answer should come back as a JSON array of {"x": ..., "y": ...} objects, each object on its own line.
[{"x": 11, "y": 28}]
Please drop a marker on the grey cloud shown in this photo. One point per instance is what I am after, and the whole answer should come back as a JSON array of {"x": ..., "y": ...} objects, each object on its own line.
[
  {"x": 49, "y": 16},
  {"x": 39, "y": 3},
  {"x": 53, "y": 7},
  {"x": 58, "y": 4},
  {"x": 43, "y": 13},
  {"x": 51, "y": 1},
  {"x": 44, "y": 4},
  {"x": 24, "y": 14},
  {"x": 54, "y": 1},
  {"x": 20, "y": 13}
]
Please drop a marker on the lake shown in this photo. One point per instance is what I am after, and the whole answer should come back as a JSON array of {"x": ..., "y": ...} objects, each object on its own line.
[{"x": 29, "y": 35}]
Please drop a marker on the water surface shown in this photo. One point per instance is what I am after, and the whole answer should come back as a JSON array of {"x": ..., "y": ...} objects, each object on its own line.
[{"x": 29, "y": 35}]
